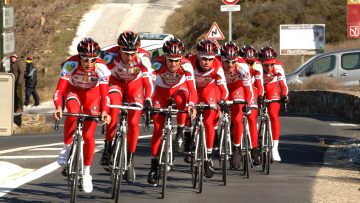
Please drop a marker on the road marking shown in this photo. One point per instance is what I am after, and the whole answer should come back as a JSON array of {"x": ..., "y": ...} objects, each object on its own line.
[
  {"x": 343, "y": 124},
  {"x": 29, "y": 157},
  {"x": 8, "y": 187},
  {"x": 47, "y": 149},
  {"x": 29, "y": 147}
]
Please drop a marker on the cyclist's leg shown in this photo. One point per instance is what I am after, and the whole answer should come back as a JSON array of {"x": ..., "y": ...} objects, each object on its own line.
[
  {"x": 72, "y": 102},
  {"x": 274, "y": 109},
  {"x": 135, "y": 96},
  {"x": 181, "y": 96},
  {"x": 159, "y": 121},
  {"x": 91, "y": 105},
  {"x": 236, "y": 118},
  {"x": 115, "y": 94},
  {"x": 252, "y": 119}
]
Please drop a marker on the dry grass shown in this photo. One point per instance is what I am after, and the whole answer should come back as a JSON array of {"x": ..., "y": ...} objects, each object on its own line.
[
  {"x": 317, "y": 83},
  {"x": 27, "y": 130}
]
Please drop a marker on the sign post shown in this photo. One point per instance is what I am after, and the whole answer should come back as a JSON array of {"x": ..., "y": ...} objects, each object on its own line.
[
  {"x": 230, "y": 7},
  {"x": 7, "y": 40}
]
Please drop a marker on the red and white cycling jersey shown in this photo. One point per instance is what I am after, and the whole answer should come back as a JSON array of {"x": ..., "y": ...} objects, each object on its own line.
[
  {"x": 139, "y": 69},
  {"x": 275, "y": 76},
  {"x": 215, "y": 75},
  {"x": 166, "y": 79},
  {"x": 240, "y": 77},
  {"x": 73, "y": 74}
]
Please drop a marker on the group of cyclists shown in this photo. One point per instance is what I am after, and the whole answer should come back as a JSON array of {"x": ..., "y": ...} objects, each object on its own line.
[{"x": 90, "y": 83}]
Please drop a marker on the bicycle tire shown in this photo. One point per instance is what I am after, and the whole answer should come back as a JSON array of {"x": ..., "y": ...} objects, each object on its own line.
[
  {"x": 74, "y": 173},
  {"x": 224, "y": 152},
  {"x": 269, "y": 152},
  {"x": 201, "y": 160},
  {"x": 194, "y": 158},
  {"x": 120, "y": 168},
  {"x": 165, "y": 164}
]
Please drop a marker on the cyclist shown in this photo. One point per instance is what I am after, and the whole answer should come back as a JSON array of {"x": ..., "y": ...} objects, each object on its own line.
[
  {"x": 131, "y": 74},
  {"x": 209, "y": 75},
  {"x": 238, "y": 79},
  {"x": 174, "y": 78},
  {"x": 83, "y": 81},
  {"x": 249, "y": 54},
  {"x": 274, "y": 77}
]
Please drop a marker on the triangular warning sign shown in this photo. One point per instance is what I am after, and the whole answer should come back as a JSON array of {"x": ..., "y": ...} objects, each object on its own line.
[{"x": 215, "y": 33}]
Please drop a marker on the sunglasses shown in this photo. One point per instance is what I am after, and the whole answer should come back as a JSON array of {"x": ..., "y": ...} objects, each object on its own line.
[
  {"x": 88, "y": 59},
  {"x": 207, "y": 59},
  {"x": 174, "y": 60},
  {"x": 230, "y": 61}
]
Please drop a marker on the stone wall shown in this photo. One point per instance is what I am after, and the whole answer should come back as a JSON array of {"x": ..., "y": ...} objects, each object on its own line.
[{"x": 345, "y": 105}]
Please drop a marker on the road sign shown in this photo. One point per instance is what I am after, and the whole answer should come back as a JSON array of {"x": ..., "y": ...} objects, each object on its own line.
[
  {"x": 215, "y": 33},
  {"x": 8, "y": 17},
  {"x": 230, "y": 2},
  {"x": 8, "y": 42},
  {"x": 230, "y": 8}
]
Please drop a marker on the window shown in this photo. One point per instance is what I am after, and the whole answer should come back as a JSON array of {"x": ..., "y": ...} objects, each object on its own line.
[
  {"x": 321, "y": 65},
  {"x": 350, "y": 61}
]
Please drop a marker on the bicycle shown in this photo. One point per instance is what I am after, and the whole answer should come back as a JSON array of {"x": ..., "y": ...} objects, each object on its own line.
[
  {"x": 266, "y": 141},
  {"x": 166, "y": 150},
  {"x": 199, "y": 149},
  {"x": 225, "y": 150},
  {"x": 74, "y": 169},
  {"x": 118, "y": 158}
]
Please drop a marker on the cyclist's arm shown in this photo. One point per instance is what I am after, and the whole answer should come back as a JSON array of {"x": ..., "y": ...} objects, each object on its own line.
[
  {"x": 281, "y": 79},
  {"x": 190, "y": 82},
  {"x": 259, "y": 81},
  {"x": 246, "y": 81},
  {"x": 104, "y": 75},
  {"x": 147, "y": 77},
  {"x": 221, "y": 83}
]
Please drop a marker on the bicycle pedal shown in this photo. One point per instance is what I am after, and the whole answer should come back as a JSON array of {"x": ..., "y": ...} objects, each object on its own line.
[{"x": 64, "y": 172}]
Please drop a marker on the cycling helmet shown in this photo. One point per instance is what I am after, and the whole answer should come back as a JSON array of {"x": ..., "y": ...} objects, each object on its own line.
[
  {"x": 230, "y": 51},
  {"x": 207, "y": 48},
  {"x": 128, "y": 41},
  {"x": 248, "y": 53},
  {"x": 173, "y": 48},
  {"x": 267, "y": 55},
  {"x": 88, "y": 47}
]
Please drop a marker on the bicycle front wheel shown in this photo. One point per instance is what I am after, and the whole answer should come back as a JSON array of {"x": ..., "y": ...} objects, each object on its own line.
[
  {"x": 165, "y": 164},
  {"x": 201, "y": 153},
  {"x": 224, "y": 152},
  {"x": 119, "y": 169},
  {"x": 73, "y": 174}
]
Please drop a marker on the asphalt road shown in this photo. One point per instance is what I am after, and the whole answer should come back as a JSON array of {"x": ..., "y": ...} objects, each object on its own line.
[{"x": 304, "y": 143}]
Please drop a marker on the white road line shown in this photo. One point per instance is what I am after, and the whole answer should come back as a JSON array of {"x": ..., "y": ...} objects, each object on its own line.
[
  {"x": 47, "y": 149},
  {"x": 343, "y": 124},
  {"x": 30, "y": 157},
  {"x": 8, "y": 187}
]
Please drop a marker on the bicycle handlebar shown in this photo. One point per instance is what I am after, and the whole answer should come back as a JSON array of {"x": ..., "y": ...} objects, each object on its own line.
[
  {"x": 137, "y": 108},
  {"x": 166, "y": 111},
  {"x": 205, "y": 106},
  {"x": 236, "y": 102},
  {"x": 81, "y": 115}
]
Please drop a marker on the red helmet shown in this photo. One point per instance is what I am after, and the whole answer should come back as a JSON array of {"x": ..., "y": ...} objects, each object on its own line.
[
  {"x": 267, "y": 54},
  {"x": 248, "y": 53},
  {"x": 206, "y": 48},
  {"x": 173, "y": 48},
  {"x": 88, "y": 47},
  {"x": 230, "y": 50},
  {"x": 128, "y": 41}
]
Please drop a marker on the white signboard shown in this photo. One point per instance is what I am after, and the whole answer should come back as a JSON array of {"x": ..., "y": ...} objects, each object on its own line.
[
  {"x": 6, "y": 103},
  {"x": 8, "y": 17},
  {"x": 230, "y": 8},
  {"x": 302, "y": 39},
  {"x": 8, "y": 42},
  {"x": 6, "y": 64}
]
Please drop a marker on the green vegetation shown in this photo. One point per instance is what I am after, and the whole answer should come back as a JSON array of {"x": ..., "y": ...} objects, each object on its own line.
[{"x": 258, "y": 22}]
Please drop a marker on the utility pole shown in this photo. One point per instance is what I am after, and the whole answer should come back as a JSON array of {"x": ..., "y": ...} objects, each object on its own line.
[{"x": 2, "y": 69}]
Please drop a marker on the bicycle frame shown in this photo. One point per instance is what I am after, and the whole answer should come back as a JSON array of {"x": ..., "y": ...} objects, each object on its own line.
[
  {"x": 119, "y": 155},
  {"x": 74, "y": 168}
]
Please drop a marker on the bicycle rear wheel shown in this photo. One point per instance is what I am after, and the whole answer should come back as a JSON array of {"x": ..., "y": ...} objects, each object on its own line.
[
  {"x": 73, "y": 175},
  {"x": 119, "y": 169}
]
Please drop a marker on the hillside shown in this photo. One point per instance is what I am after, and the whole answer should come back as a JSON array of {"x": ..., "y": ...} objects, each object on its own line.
[{"x": 258, "y": 22}]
